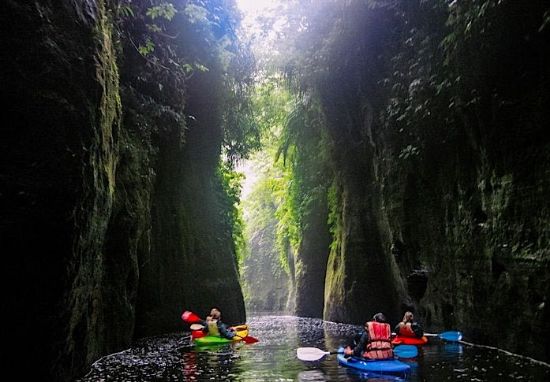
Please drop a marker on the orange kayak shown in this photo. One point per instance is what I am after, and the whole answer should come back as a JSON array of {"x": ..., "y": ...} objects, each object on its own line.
[{"x": 400, "y": 340}]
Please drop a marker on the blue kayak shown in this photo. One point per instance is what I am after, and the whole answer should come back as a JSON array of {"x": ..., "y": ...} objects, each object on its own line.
[{"x": 376, "y": 366}]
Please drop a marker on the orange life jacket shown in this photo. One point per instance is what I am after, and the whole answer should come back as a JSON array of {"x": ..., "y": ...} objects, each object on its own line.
[
  {"x": 405, "y": 330},
  {"x": 379, "y": 346}
]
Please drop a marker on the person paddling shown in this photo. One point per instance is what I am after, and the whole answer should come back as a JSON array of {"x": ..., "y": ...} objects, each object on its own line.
[
  {"x": 374, "y": 342},
  {"x": 213, "y": 325},
  {"x": 409, "y": 327}
]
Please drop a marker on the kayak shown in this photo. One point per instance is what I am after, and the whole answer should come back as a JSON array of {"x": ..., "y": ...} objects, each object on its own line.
[
  {"x": 401, "y": 340},
  {"x": 241, "y": 331},
  {"x": 389, "y": 366}
]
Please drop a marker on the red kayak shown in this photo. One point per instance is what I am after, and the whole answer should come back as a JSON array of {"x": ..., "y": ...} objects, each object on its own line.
[
  {"x": 401, "y": 340},
  {"x": 197, "y": 334}
]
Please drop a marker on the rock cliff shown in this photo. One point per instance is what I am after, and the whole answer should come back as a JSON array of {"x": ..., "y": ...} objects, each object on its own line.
[{"x": 111, "y": 199}]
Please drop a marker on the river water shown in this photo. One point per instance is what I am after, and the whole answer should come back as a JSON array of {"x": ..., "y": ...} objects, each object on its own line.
[{"x": 273, "y": 358}]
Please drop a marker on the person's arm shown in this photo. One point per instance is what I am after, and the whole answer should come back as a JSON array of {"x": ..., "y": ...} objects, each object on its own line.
[
  {"x": 348, "y": 350},
  {"x": 397, "y": 328},
  {"x": 224, "y": 331},
  {"x": 417, "y": 329},
  {"x": 204, "y": 323},
  {"x": 361, "y": 345}
]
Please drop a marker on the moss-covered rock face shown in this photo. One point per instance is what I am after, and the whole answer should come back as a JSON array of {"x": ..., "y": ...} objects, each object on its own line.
[
  {"x": 468, "y": 212},
  {"x": 197, "y": 268},
  {"x": 189, "y": 262},
  {"x": 111, "y": 203},
  {"x": 362, "y": 278},
  {"x": 311, "y": 262},
  {"x": 479, "y": 242},
  {"x": 477, "y": 232},
  {"x": 59, "y": 158},
  {"x": 437, "y": 116}
]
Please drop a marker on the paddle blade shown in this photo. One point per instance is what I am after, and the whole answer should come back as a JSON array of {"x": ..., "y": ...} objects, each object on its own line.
[
  {"x": 196, "y": 327},
  {"x": 190, "y": 317},
  {"x": 250, "y": 340},
  {"x": 405, "y": 351},
  {"x": 310, "y": 354},
  {"x": 451, "y": 336}
]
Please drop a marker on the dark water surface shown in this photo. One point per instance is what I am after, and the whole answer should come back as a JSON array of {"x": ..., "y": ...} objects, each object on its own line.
[{"x": 174, "y": 358}]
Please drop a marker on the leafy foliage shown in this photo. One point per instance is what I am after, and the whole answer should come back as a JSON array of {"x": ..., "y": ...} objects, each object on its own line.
[
  {"x": 272, "y": 102},
  {"x": 232, "y": 212},
  {"x": 425, "y": 72},
  {"x": 166, "y": 43},
  {"x": 164, "y": 10},
  {"x": 177, "y": 49},
  {"x": 297, "y": 176},
  {"x": 291, "y": 126}
]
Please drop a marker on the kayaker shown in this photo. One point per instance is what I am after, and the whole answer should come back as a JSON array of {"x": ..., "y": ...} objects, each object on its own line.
[
  {"x": 408, "y": 327},
  {"x": 214, "y": 326},
  {"x": 374, "y": 342}
]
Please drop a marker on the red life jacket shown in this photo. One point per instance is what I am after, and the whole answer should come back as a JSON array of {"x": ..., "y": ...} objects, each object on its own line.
[
  {"x": 405, "y": 330},
  {"x": 379, "y": 346}
]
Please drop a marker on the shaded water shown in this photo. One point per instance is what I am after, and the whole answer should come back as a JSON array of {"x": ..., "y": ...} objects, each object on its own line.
[{"x": 174, "y": 358}]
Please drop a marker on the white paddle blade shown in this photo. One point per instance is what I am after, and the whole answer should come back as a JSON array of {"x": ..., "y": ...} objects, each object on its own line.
[
  {"x": 310, "y": 354},
  {"x": 196, "y": 327}
]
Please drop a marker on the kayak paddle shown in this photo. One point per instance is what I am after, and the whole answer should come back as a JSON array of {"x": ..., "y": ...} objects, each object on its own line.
[
  {"x": 190, "y": 317},
  {"x": 405, "y": 351},
  {"x": 313, "y": 354},
  {"x": 248, "y": 339},
  {"x": 451, "y": 336},
  {"x": 196, "y": 327}
]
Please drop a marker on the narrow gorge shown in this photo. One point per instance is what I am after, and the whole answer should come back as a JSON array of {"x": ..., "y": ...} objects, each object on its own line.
[{"x": 400, "y": 150}]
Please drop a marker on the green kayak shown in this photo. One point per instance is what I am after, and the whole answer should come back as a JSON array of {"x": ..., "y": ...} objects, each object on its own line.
[{"x": 240, "y": 331}]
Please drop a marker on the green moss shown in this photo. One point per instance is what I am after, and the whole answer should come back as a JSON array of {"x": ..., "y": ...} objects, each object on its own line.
[
  {"x": 110, "y": 104},
  {"x": 88, "y": 322}
]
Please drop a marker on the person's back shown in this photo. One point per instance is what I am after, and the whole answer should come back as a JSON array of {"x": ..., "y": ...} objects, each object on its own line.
[
  {"x": 408, "y": 327},
  {"x": 374, "y": 343},
  {"x": 379, "y": 344},
  {"x": 215, "y": 327}
]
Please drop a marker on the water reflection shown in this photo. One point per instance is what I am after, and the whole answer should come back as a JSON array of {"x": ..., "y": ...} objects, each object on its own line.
[
  {"x": 311, "y": 376},
  {"x": 174, "y": 358},
  {"x": 371, "y": 377},
  {"x": 451, "y": 348},
  {"x": 189, "y": 363}
]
